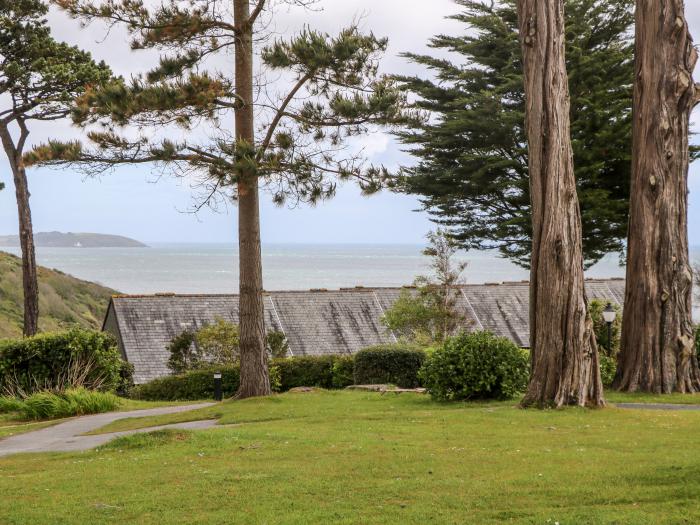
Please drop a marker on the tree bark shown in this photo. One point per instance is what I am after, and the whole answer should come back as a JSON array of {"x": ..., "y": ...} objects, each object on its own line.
[
  {"x": 254, "y": 376},
  {"x": 564, "y": 355},
  {"x": 30, "y": 286},
  {"x": 657, "y": 349}
]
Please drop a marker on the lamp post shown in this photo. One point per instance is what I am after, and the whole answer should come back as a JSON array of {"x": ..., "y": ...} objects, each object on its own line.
[
  {"x": 218, "y": 395},
  {"x": 609, "y": 315}
]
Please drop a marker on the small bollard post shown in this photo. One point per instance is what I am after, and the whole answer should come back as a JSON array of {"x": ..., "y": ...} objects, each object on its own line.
[{"x": 218, "y": 395}]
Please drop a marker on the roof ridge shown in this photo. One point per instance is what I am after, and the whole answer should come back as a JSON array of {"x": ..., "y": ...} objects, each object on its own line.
[{"x": 365, "y": 289}]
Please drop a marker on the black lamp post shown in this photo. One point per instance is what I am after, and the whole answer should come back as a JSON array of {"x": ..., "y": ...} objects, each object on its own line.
[
  {"x": 218, "y": 394},
  {"x": 609, "y": 315}
]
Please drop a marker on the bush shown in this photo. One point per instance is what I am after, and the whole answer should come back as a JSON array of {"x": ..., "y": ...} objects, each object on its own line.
[
  {"x": 72, "y": 402},
  {"x": 59, "y": 361},
  {"x": 477, "y": 365},
  {"x": 306, "y": 371},
  {"x": 197, "y": 384},
  {"x": 608, "y": 368},
  {"x": 343, "y": 371},
  {"x": 396, "y": 364}
]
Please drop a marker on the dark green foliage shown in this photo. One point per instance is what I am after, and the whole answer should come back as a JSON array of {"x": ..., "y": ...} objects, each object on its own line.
[
  {"x": 285, "y": 374},
  {"x": 476, "y": 365},
  {"x": 59, "y": 361},
  {"x": 697, "y": 340},
  {"x": 72, "y": 402},
  {"x": 335, "y": 91},
  {"x": 472, "y": 169},
  {"x": 40, "y": 76},
  {"x": 608, "y": 368},
  {"x": 196, "y": 384},
  {"x": 343, "y": 371},
  {"x": 126, "y": 379},
  {"x": 600, "y": 327},
  {"x": 395, "y": 364},
  {"x": 306, "y": 371}
]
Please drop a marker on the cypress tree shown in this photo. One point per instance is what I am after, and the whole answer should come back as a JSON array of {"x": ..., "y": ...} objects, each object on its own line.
[{"x": 472, "y": 170}]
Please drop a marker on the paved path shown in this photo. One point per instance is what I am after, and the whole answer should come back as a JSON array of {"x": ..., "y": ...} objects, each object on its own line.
[
  {"x": 657, "y": 406},
  {"x": 67, "y": 436}
]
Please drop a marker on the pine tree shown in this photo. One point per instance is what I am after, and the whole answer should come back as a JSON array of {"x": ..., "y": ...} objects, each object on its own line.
[
  {"x": 39, "y": 78},
  {"x": 472, "y": 173},
  {"x": 335, "y": 93},
  {"x": 657, "y": 350},
  {"x": 564, "y": 353}
]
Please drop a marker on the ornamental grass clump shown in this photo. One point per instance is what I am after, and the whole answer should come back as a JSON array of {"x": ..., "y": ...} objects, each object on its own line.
[
  {"x": 476, "y": 365},
  {"x": 73, "y": 402}
]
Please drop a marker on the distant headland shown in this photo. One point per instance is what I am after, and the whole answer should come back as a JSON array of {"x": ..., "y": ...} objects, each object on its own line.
[{"x": 75, "y": 240}]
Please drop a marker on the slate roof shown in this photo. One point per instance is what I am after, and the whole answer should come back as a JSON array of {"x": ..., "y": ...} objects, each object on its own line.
[{"x": 315, "y": 322}]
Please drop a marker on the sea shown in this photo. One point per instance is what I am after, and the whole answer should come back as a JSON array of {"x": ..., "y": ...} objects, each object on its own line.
[{"x": 213, "y": 268}]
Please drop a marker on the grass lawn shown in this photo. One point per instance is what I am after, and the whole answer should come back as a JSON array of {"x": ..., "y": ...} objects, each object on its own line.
[
  {"x": 353, "y": 457},
  {"x": 11, "y": 425}
]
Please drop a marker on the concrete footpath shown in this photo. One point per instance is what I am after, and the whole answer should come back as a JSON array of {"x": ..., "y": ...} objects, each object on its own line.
[{"x": 67, "y": 436}]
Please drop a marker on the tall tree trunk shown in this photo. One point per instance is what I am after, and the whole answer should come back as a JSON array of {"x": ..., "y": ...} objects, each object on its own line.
[
  {"x": 565, "y": 367},
  {"x": 255, "y": 379},
  {"x": 657, "y": 352},
  {"x": 30, "y": 285}
]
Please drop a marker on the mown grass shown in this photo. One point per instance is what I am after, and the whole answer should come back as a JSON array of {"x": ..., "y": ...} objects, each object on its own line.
[{"x": 351, "y": 457}]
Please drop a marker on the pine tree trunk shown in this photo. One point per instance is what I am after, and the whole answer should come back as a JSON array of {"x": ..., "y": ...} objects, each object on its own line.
[
  {"x": 657, "y": 350},
  {"x": 565, "y": 367},
  {"x": 30, "y": 286},
  {"x": 254, "y": 378}
]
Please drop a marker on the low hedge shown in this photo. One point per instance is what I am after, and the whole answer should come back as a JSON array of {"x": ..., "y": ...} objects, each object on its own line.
[
  {"x": 285, "y": 374},
  {"x": 396, "y": 364},
  {"x": 58, "y": 361},
  {"x": 197, "y": 384}
]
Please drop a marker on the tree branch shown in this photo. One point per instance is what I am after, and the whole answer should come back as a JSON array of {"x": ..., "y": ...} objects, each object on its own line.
[
  {"x": 281, "y": 112},
  {"x": 256, "y": 12}
]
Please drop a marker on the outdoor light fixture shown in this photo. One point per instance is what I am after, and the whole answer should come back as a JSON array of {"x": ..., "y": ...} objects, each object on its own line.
[
  {"x": 609, "y": 315},
  {"x": 218, "y": 395}
]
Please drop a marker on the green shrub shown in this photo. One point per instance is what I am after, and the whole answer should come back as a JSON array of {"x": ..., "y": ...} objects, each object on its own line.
[
  {"x": 306, "y": 371},
  {"x": 72, "y": 402},
  {"x": 285, "y": 374},
  {"x": 76, "y": 358},
  {"x": 396, "y": 364},
  {"x": 477, "y": 365},
  {"x": 9, "y": 404},
  {"x": 126, "y": 379},
  {"x": 343, "y": 371},
  {"x": 608, "y": 368},
  {"x": 197, "y": 384}
]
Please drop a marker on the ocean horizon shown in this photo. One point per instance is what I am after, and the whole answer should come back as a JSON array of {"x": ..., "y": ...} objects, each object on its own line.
[{"x": 213, "y": 267}]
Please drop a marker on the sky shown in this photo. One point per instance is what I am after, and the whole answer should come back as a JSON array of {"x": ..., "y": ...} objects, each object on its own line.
[{"x": 143, "y": 204}]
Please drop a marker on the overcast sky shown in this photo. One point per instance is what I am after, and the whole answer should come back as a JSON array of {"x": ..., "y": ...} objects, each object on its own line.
[{"x": 138, "y": 203}]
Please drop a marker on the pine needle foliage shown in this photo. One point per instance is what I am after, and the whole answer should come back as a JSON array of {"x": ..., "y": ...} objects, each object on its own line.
[{"x": 334, "y": 92}]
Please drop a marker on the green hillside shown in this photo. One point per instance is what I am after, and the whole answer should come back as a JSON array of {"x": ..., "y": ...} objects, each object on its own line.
[{"x": 63, "y": 300}]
